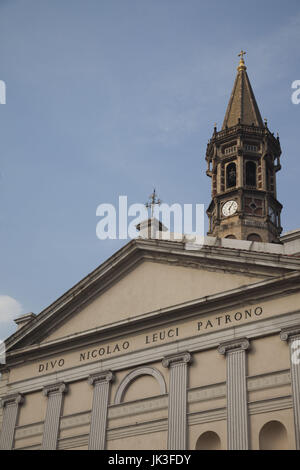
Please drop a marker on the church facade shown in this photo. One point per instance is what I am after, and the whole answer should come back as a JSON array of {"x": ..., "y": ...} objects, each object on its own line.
[{"x": 170, "y": 345}]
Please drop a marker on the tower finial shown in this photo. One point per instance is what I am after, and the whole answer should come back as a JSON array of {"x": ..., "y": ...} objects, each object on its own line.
[
  {"x": 242, "y": 65},
  {"x": 152, "y": 202}
]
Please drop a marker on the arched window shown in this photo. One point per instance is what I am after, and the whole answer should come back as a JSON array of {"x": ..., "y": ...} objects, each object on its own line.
[
  {"x": 209, "y": 440},
  {"x": 254, "y": 237},
  {"x": 155, "y": 387},
  {"x": 251, "y": 174},
  {"x": 273, "y": 436},
  {"x": 231, "y": 175},
  {"x": 231, "y": 237}
]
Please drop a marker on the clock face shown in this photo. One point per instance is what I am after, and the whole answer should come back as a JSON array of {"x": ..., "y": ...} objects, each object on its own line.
[{"x": 229, "y": 208}]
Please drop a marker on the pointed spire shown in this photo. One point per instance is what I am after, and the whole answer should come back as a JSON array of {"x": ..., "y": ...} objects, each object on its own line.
[{"x": 242, "y": 107}]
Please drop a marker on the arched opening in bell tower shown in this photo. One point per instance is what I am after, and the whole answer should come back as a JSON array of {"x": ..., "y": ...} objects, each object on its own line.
[
  {"x": 231, "y": 175},
  {"x": 251, "y": 174}
]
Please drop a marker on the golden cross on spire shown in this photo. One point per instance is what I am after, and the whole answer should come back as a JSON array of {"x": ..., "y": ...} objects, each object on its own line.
[
  {"x": 242, "y": 65},
  {"x": 153, "y": 201},
  {"x": 241, "y": 54}
]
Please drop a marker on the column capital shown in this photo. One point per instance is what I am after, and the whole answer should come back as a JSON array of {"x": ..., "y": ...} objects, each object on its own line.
[
  {"x": 290, "y": 332},
  {"x": 59, "y": 387},
  {"x": 174, "y": 359},
  {"x": 101, "y": 377},
  {"x": 240, "y": 344},
  {"x": 16, "y": 398}
]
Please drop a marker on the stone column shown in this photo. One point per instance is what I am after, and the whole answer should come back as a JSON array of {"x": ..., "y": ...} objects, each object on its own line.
[
  {"x": 177, "y": 399},
  {"x": 101, "y": 384},
  {"x": 55, "y": 394},
  {"x": 292, "y": 336},
  {"x": 10, "y": 405},
  {"x": 237, "y": 406}
]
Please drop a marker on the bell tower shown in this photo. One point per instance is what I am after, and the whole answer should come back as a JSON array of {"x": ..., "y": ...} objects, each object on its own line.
[{"x": 242, "y": 161}]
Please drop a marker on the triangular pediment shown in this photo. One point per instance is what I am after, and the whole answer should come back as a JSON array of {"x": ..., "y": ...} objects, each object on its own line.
[
  {"x": 149, "y": 287},
  {"x": 144, "y": 277}
]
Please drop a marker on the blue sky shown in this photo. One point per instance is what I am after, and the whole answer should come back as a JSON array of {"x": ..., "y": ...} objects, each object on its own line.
[{"x": 112, "y": 97}]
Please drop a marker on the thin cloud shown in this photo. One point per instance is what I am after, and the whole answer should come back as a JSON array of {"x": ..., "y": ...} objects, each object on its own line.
[{"x": 10, "y": 308}]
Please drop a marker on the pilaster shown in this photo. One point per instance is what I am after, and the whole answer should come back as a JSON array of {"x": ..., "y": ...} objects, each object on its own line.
[
  {"x": 237, "y": 406},
  {"x": 55, "y": 394},
  {"x": 101, "y": 384},
  {"x": 177, "y": 399},
  {"x": 10, "y": 404},
  {"x": 292, "y": 336}
]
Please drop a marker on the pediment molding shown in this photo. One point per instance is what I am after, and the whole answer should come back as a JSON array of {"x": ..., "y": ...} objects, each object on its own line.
[
  {"x": 128, "y": 258},
  {"x": 251, "y": 294}
]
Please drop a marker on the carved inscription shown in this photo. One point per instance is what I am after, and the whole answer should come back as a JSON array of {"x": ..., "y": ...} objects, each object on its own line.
[{"x": 168, "y": 334}]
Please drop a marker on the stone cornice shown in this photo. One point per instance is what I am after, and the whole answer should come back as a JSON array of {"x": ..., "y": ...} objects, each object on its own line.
[
  {"x": 101, "y": 377},
  {"x": 174, "y": 359},
  {"x": 241, "y": 344},
  {"x": 60, "y": 387},
  {"x": 288, "y": 333},
  {"x": 283, "y": 285},
  {"x": 259, "y": 329},
  {"x": 233, "y": 260}
]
